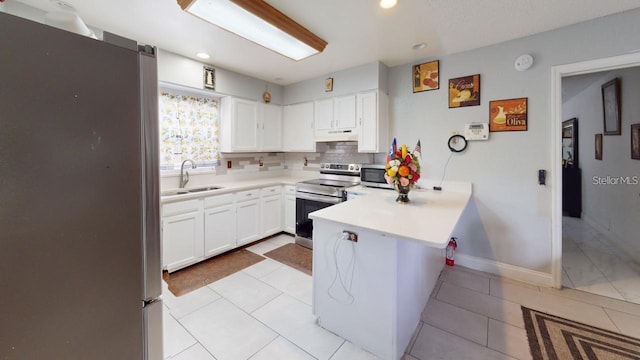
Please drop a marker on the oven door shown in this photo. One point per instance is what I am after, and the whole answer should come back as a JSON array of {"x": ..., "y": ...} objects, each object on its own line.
[{"x": 307, "y": 203}]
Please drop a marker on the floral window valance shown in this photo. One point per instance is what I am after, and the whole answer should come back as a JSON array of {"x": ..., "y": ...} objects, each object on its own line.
[{"x": 188, "y": 130}]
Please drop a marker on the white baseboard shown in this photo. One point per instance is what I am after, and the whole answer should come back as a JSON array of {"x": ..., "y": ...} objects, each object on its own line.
[{"x": 505, "y": 270}]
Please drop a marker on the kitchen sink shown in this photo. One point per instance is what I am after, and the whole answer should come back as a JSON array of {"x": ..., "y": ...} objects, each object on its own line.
[
  {"x": 174, "y": 192},
  {"x": 204, "y": 189},
  {"x": 188, "y": 191}
]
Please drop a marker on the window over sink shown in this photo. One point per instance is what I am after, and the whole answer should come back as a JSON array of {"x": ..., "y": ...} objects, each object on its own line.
[{"x": 189, "y": 129}]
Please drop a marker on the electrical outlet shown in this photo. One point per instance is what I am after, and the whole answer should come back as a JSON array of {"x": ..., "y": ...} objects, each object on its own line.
[{"x": 349, "y": 235}]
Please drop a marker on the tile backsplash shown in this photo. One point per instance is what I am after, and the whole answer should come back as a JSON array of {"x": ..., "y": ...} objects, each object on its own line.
[{"x": 245, "y": 164}]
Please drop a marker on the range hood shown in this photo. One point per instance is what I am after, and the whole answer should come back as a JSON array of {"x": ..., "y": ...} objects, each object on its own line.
[{"x": 337, "y": 135}]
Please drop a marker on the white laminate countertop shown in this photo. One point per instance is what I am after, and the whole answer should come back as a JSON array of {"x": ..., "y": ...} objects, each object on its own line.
[
  {"x": 429, "y": 218},
  {"x": 229, "y": 186}
]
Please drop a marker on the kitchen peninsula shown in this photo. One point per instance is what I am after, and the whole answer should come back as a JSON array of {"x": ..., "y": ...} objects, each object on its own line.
[{"x": 373, "y": 291}]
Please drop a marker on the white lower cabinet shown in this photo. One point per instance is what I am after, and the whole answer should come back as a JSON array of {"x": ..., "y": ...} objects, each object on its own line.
[
  {"x": 182, "y": 234},
  {"x": 219, "y": 212},
  {"x": 194, "y": 230},
  {"x": 289, "y": 212},
  {"x": 247, "y": 216},
  {"x": 271, "y": 203}
]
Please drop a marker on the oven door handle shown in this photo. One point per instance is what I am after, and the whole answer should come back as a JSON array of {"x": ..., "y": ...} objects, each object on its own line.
[{"x": 319, "y": 198}]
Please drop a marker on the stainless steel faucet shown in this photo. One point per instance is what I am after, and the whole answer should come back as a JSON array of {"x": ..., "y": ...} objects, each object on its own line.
[{"x": 184, "y": 175}]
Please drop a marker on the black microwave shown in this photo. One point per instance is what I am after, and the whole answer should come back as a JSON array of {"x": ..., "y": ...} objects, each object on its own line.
[{"x": 373, "y": 176}]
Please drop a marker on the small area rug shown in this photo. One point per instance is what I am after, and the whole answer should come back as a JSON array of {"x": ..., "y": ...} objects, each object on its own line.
[
  {"x": 294, "y": 255},
  {"x": 204, "y": 273},
  {"x": 553, "y": 337}
]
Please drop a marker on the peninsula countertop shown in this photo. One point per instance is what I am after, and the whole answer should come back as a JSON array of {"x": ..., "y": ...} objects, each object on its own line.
[{"x": 429, "y": 218}]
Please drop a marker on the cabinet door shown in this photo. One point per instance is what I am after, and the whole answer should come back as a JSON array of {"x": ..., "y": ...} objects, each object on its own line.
[
  {"x": 245, "y": 125},
  {"x": 218, "y": 235},
  {"x": 372, "y": 122},
  {"x": 290, "y": 214},
  {"x": 182, "y": 240},
  {"x": 323, "y": 115},
  {"x": 271, "y": 129},
  {"x": 298, "y": 128},
  {"x": 271, "y": 215},
  {"x": 247, "y": 221},
  {"x": 345, "y": 112}
]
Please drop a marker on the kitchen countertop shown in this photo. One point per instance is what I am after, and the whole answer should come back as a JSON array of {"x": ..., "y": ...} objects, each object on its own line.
[
  {"x": 230, "y": 186},
  {"x": 429, "y": 218}
]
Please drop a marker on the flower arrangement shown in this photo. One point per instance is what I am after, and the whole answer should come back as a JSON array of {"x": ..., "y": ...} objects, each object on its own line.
[{"x": 403, "y": 167}]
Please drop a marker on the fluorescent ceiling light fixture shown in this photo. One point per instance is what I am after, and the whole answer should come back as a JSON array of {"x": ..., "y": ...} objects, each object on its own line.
[
  {"x": 203, "y": 55},
  {"x": 387, "y": 4},
  {"x": 257, "y": 21}
]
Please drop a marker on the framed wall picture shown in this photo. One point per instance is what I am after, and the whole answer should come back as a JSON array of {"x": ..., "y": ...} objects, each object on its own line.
[
  {"x": 611, "y": 107},
  {"x": 328, "y": 84},
  {"x": 598, "y": 146},
  {"x": 635, "y": 141},
  {"x": 464, "y": 91},
  {"x": 209, "y": 77},
  {"x": 426, "y": 76},
  {"x": 508, "y": 115}
]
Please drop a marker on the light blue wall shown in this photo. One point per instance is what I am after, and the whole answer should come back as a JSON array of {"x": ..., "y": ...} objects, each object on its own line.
[
  {"x": 509, "y": 220},
  {"x": 176, "y": 69},
  {"x": 365, "y": 77}
]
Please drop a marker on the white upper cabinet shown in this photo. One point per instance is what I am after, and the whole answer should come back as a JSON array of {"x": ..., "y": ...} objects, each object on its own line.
[
  {"x": 238, "y": 125},
  {"x": 247, "y": 126},
  {"x": 345, "y": 112},
  {"x": 335, "y": 118},
  {"x": 373, "y": 123},
  {"x": 270, "y": 120},
  {"x": 298, "y": 128}
]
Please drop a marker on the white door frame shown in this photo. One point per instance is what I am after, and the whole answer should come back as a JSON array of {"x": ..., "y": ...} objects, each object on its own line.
[{"x": 557, "y": 72}]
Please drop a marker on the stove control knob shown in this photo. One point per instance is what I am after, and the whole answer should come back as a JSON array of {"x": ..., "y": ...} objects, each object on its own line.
[{"x": 351, "y": 167}]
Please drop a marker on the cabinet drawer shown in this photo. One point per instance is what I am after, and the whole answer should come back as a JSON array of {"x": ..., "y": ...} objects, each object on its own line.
[
  {"x": 180, "y": 207},
  {"x": 247, "y": 195},
  {"x": 218, "y": 200},
  {"x": 289, "y": 190},
  {"x": 271, "y": 190}
]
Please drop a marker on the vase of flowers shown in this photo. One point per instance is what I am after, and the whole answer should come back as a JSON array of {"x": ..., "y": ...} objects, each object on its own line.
[{"x": 402, "y": 170}]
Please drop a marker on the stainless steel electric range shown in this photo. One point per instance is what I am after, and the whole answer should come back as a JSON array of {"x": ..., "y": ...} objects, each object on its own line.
[{"x": 329, "y": 189}]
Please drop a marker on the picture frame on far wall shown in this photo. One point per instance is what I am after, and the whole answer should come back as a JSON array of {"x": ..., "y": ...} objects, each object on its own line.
[
  {"x": 508, "y": 115},
  {"x": 611, "y": 107},
  {"x": 209, "y": 78},
  {"x": 464, "y": 91},
  {"x": 426, "y": 76},
  {"x": 635, "y": 141},
  {"x": 598, "y": 146},
  {"x": 328, "y": 84}
]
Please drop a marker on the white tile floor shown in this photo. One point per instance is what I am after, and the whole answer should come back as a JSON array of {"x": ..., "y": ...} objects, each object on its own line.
[
  {"x": 264, "y": 313},
  {"x": 592, "y": 263}
]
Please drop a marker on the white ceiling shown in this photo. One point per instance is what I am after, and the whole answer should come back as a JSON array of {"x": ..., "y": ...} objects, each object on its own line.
[{"x": 358, "y": 31}]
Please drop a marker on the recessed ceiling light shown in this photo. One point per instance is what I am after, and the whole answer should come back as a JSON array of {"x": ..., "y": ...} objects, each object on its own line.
[
  {"x": 203, "y": 55},
  {"x": 418, "y": 46},
  {"x": 387, "y": 4}
]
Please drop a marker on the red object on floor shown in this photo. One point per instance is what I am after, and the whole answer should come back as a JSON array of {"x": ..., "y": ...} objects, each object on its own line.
[{"x": 451, "y": 249}]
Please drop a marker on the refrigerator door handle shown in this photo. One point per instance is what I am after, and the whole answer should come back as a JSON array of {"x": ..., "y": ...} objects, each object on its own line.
[{"x": 150, "y": 173}]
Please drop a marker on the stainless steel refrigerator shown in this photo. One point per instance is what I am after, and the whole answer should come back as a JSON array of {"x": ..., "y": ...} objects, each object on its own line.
[{"x": 80, "y": 271}]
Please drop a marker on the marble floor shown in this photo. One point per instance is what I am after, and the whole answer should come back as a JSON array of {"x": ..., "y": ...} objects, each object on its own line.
[
  {"x": 592, "y": 263},
  {"x": 264, "y": 312}
]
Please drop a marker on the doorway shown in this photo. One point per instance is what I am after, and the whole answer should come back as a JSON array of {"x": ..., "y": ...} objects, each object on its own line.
[{"x": 592, "y": 262}]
